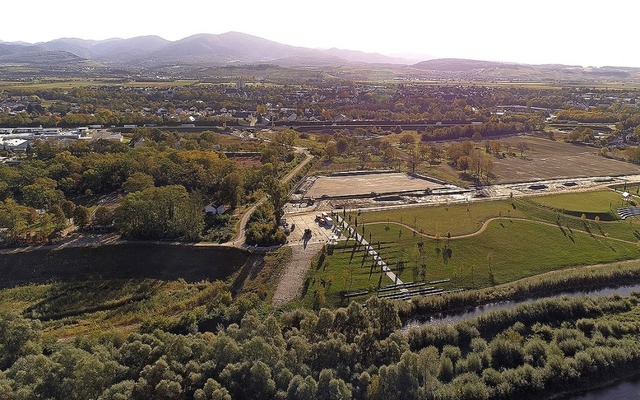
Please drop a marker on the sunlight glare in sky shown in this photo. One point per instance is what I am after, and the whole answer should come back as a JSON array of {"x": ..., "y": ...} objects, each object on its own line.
[{"x": 566, "y": 32}]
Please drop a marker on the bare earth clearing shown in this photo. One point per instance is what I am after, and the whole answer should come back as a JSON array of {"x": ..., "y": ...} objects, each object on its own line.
[
  {"x": 365, "y": 184},
  {"x": 292, "y": 279},
  {"x": 547, "y": 159}
]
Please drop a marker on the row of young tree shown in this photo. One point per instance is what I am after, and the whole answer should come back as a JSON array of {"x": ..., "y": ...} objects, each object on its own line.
[{"x": 533, "y": 351}]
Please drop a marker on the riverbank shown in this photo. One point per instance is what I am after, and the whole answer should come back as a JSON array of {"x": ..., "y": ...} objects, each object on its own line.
[
  {"x": 122, "y": 260},
  {"x": 551, "y": 283},
  {"x": 609, "y": 390}
]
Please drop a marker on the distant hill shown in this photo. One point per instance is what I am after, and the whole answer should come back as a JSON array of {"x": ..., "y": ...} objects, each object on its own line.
[
  {"x": 79, "y": 47},
  {"x": 203, "y": 51},
  {"x": 128, "y": 48},
  {"x": 110, "y": 50},
  {"x": 362, "y": 57},
  {"x": 461, "y": 65},
  {"x": 39, "y": 57},
  {"x": 222, "y": 49},
  {"x": 492, "y": 70}
]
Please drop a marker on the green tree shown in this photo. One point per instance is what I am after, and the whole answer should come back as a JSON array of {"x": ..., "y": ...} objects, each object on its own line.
[
  {"x": 407, "y": 139},
  {"x": 85, "y": 375},
  {"x": 68, "y": 207},
  {"x": 212, "y": 390},
  {"x": 232, "y": 189},
  {"x": 138, "y": 182},
  {"x": 260, "y": 382},
  {"x": 331, "y": 388},
  {"x": 19, "y": 337},
  {"x": 166, "y": 212},
  {"x": 119, "y": 391},
  {"x": 331, "y": 150},
  {"x": 302, "y": 388},
  {"x": 81, "y": 217},
  {"x": 59, "y": 218},
  {"x": 278, "y": 196},
  {"x": 342, "y": 146},
  {"x": 42, "y": 194},
  {"x": 103, "y": 216}
]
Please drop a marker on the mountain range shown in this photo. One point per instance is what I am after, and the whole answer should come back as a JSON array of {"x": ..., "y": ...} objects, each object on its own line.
[
  {"x": 223, "y": 49},
  {"x": 200, "y": 53}
]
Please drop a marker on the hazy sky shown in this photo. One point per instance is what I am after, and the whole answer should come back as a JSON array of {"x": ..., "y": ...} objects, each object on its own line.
[{"x": 542, "y": 31}]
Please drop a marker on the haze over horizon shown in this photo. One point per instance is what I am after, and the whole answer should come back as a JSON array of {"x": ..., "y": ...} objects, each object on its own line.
[{"x": 494, "y": 30}]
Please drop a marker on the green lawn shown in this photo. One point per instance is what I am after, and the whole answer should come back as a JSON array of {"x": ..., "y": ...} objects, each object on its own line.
[
  {"x": 508, "y": 250},
  {"x": 527, "y": 239},
  {"x": 631, "y": 188},
  {"x": 585, "y": 202},
  {"x": 458, "y": 219}
]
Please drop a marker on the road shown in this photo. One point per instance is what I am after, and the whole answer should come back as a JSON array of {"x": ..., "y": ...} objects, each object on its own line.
[{"x": 239, "y": 239}]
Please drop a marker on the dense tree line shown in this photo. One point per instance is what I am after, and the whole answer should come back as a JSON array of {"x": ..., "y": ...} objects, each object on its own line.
[
  {"x": 532, "y": 351},
  {"x": 111, "y": 105},
  {"x": 489, "y": 129},
  {"x": 44, "y": 193}
]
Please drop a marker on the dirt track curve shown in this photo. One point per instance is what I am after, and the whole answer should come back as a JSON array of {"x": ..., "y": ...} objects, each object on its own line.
[
  {"x": 486, "y": 224},
  {"x": 239, "y": 239}
]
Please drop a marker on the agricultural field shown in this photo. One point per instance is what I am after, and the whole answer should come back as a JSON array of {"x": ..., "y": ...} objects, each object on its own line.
[
  {"x": 474, "y": 245},
  {"x": 547, "y": 159}
]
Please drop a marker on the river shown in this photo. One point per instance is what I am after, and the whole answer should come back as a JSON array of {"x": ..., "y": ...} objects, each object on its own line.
[
  {"x": 624, "y": 390},
  {"x": 450, "y": 318}
]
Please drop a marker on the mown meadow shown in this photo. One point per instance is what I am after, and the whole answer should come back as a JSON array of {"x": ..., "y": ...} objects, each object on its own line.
[{"x": 475, "y": 245}]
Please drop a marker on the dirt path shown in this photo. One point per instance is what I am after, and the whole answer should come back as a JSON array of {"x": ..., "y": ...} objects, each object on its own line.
[
  {"x": 486, "y": 224},
  {"x": 239, "y": 239},
  {"x": 293, "y": 274}
]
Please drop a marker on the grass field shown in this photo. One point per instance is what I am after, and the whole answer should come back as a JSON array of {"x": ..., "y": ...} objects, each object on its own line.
[
  {"x": 524, "y": 239},
  {"x": 457, "y": 219},
  {"x": 603, "y": 201},
  {"x": 121, "y": 288},
  {"x": 631, "y": 188},
  {"x": 108, "y": 306}
]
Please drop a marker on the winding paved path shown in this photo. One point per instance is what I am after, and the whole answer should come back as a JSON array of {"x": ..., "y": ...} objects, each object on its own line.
[{"x": 486, "y": 224}]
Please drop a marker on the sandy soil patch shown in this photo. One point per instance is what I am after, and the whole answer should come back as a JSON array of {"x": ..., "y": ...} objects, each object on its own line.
[{"x": 365, "y": 184}]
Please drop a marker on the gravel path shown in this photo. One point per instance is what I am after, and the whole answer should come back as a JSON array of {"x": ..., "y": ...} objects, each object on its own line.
[
  {"x": 240, "y": 238},
  {"x": 486, "y": 223},
  {"x": 293, "y": 274}
]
